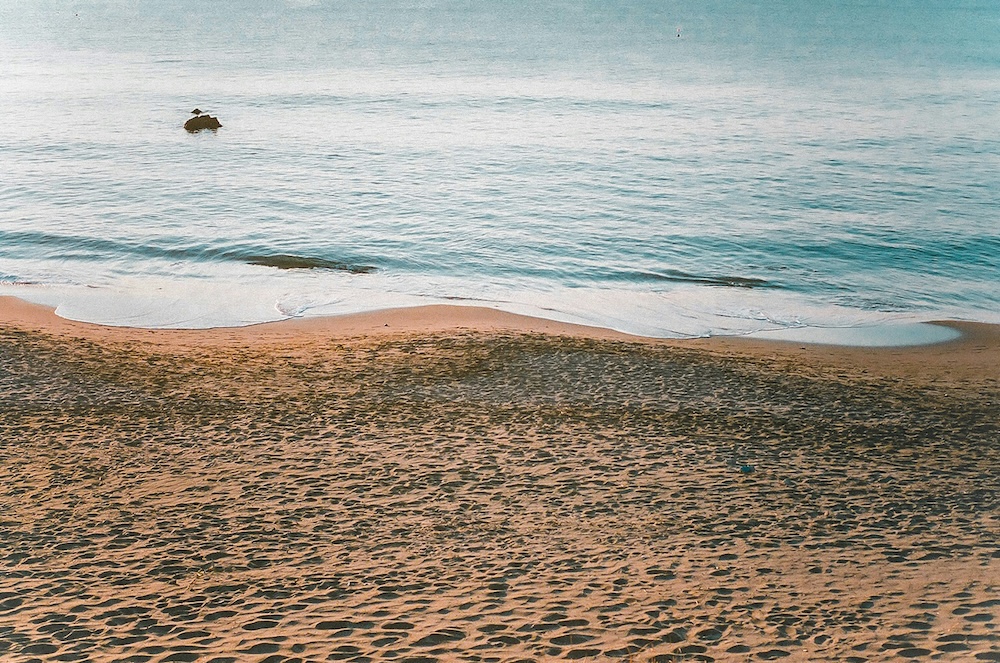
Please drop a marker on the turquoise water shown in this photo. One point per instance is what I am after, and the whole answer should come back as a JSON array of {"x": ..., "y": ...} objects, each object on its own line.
[{"x": 663, "y": 168}]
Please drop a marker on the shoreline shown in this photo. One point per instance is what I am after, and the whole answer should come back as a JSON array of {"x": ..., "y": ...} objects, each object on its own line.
[{"x": 972, "y": 358}]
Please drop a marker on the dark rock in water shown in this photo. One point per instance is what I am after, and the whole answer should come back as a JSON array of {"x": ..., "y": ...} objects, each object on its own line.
[{"x": 202, "y": 122}]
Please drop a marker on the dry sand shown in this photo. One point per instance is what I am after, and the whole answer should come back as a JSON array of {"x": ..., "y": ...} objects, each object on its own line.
[{"x": 469, "y": 485}]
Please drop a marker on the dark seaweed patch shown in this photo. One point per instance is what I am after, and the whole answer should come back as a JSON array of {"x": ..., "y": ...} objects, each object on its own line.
[
  {"x": 286, "y": 261},
  {"x": 720, "y": 281}
]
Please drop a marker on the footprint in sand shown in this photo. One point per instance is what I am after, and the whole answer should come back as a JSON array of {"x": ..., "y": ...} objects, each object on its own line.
[{"x": 440, "y": 637}]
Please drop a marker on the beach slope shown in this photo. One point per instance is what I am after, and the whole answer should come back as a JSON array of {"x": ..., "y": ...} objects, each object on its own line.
[{"x": 461, "y": 484}]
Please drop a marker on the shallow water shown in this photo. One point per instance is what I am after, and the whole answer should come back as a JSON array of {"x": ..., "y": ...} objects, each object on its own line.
[
  {"x": 892, "y": 335},
  {"x": 774, "y": 166}
]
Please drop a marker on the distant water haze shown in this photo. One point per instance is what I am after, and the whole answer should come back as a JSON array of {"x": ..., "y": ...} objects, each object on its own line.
[{"x": 662, "y": 168}]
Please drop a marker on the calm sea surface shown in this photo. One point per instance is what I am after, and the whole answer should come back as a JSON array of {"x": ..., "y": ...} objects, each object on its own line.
[{"x": 664, "y": 168}]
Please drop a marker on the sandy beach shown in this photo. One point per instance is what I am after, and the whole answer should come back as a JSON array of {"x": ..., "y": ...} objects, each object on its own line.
[{"x": 460, "y": 484}]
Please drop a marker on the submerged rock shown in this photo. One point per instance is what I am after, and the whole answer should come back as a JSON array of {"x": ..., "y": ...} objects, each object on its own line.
[{"x": 202, "y": 122}]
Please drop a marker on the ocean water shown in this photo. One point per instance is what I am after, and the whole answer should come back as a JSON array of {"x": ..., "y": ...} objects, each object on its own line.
[{"x": 664, "y": 168}]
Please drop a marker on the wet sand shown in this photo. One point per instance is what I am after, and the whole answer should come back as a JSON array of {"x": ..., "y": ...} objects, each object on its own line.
[{"x": 465, "y": 485}]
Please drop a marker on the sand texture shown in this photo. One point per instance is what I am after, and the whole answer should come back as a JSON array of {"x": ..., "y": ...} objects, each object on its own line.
[{"x": 486, "y": 495}]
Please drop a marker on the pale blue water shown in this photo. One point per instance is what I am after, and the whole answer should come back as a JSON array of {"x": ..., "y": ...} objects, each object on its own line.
[{"x": 778, "y": 164}]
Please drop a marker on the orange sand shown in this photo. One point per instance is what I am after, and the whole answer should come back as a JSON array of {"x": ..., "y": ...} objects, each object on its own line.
[{"x": 451, "y": 483}]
